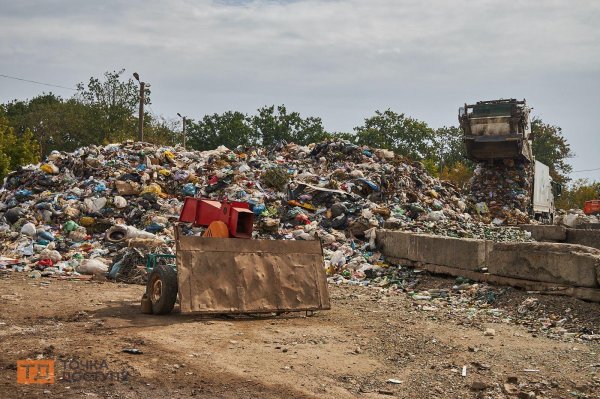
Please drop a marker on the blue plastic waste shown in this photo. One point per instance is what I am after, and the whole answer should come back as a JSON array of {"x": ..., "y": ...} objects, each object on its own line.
[
  {"x": 369, "y": 183},
  {"x": 258, "y": 209},
  {"x": 44, "y": 235},
  {"x": 154, "y": 227},
  {"x": 114, "y": 270},
  {"x": 188, "y": 189},
  {"x": 23, "y": 193}
]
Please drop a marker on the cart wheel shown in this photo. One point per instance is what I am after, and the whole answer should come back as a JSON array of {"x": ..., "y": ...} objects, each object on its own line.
[{"x": 162, "y": 289}]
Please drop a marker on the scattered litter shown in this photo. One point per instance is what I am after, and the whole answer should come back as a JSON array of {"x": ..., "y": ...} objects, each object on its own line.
[
  {"x": 394, "y": 381},
  {"x": 489, "y": 332},
  {"x": 133, "y": 351}
]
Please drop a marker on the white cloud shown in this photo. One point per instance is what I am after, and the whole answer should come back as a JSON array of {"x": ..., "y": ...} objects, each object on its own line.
[{"x": 337, "y": 59}]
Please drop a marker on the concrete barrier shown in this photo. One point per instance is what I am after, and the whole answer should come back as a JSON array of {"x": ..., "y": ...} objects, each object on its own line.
[
  {"x": 462, "y": 253},
  {"x": 541, "y": 232},
  {"x": 590, "y": 238},
  {"x": 560, "y": 268},
  {"x": 565, "y": 264},
  {"x": 588, "y": 226}
]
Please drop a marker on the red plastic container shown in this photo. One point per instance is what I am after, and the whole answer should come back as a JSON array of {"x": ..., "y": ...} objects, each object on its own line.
[
  {"x": 236, "y": 215},
  {"x": 591, "y": 207}
]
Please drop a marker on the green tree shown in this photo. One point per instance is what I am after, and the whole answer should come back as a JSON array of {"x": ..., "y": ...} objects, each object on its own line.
[
  {"x": 449, "y": 146},
  {"x": 551, "y": 148},
  {"x": 162, "y": 131},
  {"x": 272, "y": 124},
  {"x": 404, "y": 135},
  {"x": 431, "y": 167},
  {"x": 230, "y": 129},
  {"x": 113, "y": 101},
  {"x": 575, "y": 195},
  {"x": 16, "y": 150},
  {"x": 459, "y": 173},
  {"x": 351, "y": 137},
  {"x": 4, "y": 165},
  {"x": 54, "y": 122},
  {"x": 103, "y": 111}
]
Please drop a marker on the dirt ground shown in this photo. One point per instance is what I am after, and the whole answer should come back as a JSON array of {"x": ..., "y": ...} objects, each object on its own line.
[{"x": 368, "y": 338}]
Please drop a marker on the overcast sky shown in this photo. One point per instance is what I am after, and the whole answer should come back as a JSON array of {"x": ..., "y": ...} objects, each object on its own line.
[{"x": 340, "y": 60}]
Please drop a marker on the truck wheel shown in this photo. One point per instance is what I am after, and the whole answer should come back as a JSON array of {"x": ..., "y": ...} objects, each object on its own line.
[{"x": 162, "y": 289}]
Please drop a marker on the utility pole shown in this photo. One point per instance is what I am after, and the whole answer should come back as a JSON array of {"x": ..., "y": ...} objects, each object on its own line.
[
  {"x": 141, "y": 115},
  {"x": 183, "y": 130},
  {"x": 184, "y": 119}
]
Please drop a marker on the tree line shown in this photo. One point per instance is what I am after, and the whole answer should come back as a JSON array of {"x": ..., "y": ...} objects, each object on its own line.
[{"x": 104, "y": 110}]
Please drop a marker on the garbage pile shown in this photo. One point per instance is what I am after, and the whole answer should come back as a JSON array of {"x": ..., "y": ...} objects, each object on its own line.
[
  {"x": 502, "y": 192},
  {"x": 575, "y": 218},
  {"x": 85, "y": 212}
]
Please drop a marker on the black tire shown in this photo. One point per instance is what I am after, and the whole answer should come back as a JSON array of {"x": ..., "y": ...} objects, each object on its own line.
[{"x": 162, "y": 289}]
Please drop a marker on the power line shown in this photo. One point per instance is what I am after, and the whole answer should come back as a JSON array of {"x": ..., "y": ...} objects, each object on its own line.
[
  {"x": 585, "y": 170},
  {"x": 36, "y": 82}
]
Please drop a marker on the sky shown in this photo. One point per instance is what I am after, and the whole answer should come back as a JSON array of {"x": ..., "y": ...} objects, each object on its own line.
[{"x": 338, "y": 60}]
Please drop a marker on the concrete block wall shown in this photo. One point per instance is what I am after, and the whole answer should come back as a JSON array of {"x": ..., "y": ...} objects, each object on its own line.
[
  {"x": 580, "y": 236},
  {"x": 518, "y": 264},
  {"x": 589, "y": 238},
  {"x": 565, "y": 264},
  {"x": 469, "y": 254},
  {"x": 540, "y": 232}
]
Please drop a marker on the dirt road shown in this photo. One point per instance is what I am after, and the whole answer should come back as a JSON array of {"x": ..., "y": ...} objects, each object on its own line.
[{"x": 368, "y": 338}]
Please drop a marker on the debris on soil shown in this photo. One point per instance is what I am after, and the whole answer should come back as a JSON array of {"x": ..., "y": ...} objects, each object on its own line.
[{"x": 133, "y": 351}]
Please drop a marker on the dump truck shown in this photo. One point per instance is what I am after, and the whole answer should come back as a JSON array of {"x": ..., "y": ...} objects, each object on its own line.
[
  {"x": 500, "y": 131},
  {"x": 225, "y": 271}
]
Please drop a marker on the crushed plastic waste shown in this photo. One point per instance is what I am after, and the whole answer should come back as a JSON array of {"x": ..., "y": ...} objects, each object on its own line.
[
  {"x": 502, "y": 192},
  {"x": 115, "y": 203}
]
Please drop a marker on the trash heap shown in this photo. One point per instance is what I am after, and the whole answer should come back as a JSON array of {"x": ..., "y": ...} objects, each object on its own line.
[
  {"x": 502, "y": 192},
  {"x": 102, "y": 208},
  {"x": 575, "y": 218}
]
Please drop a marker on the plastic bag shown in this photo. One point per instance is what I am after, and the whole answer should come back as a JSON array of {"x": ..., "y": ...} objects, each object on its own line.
[
  {"x": 338, "y": 259},
  {"x": 29, "y": 229},
  {"x": 49, "y": 168},
  {"x": 119, "y": 202},
  {"x": 152, "y": 188},
  {"x": 91, "y": 266},
  {"x": 93, "y": 205}
]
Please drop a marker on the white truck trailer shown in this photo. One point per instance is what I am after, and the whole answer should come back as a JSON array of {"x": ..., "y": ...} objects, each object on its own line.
[{"x": 543, "y": 193}]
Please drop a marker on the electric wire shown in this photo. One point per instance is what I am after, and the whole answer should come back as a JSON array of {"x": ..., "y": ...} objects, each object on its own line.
[{"x": 36, "y": 82}]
